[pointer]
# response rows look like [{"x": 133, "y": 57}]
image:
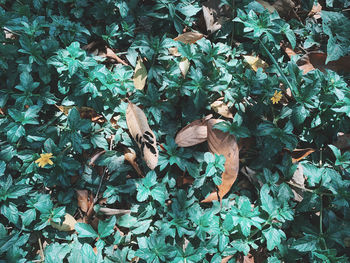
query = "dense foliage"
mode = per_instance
[{"x": 44, "y": 66}]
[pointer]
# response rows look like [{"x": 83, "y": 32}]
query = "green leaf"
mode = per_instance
[
  {"x": 306, "y": 243},
  {"x": 105, "y": 228},
  {"x": 85, "y": 230},
  {"x": 273, "y": 237}
]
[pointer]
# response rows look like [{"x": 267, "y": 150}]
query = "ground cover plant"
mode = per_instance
[{"x": 174, "y": 131}]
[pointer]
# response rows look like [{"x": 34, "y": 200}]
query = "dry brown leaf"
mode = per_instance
[
  {"x": 298, "y": 179},
  {"x": 267, "y": 5},
  {"x": 189, "y": 37},
  {"x": 299, "y": 154},
  {"x": 225, "y": 144},
  {"x": 214, "y": 14},
  {"x": 194, "y": 133},
  {"x": 226, "y": 259},
  {"x": 174, "y": 51},
  {"x": 255, "y": 62},
  {"x": 67, "y": 225},
  {"x": 85, "y": 113},
  {"x": 184, "y": 66},
  {"x": 130, "y": 156},
  {"x": 221, "y": 108},
  {"x": 83, "y": 200},
  {"x": 317, "y": 60},
  {"x": 99, "y": 48},
  {"x": 140, "y": 75},
  {"x": 284, "y": 7},
  {"x": 316, "y": 11},
  {"x": 142, "y": 134}
]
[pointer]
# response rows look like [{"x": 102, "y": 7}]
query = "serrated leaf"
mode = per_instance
[
  {"x": 142, "y": 134},
  {"x": 85, "y": 230}
]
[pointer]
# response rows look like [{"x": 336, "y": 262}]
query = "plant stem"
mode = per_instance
[
  {"x": 321, "y": 225},
  {"x": 292, "y": 88}
]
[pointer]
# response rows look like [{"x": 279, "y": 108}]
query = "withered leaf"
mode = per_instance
[
  {"x": 184, "y": 66},
  {"x": 142, "y": 134},
  {"x": 255, "y": 62},
  {"x": 140, "y": 75},
  {"x": 67, "y": 225},
  {"x": 193, "y": 134},
  {"x": 189, "y": 37},
  {"x": 225, "y": 144},
  {"x": 221, "y": 108},
  {"x": 83, "y": 199}
]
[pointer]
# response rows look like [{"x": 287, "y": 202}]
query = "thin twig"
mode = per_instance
[{"x": 41, "y": 250}]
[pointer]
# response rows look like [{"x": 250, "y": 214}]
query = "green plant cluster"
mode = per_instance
[{"x": 43, "y": 64}]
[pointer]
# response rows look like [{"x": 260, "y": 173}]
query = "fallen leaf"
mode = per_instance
[
  {"x": 225, "y": 144},
  {"x": 255, "y": 62},
  {"x": 1, "y": 111},
  {"x": 267, "y": 5},
  {"x": 174, "y": 51},
  {"x": 85, "y": 113},
  {"x": 284, "y": 7},
  {"x": 221, "y": 108},
  {"x": 83, "y": 200},
  {"x": 298, "y": 179},
  {"x": 130, "y": 156},
  {"x": 194, "y": 133},
  {"x": 142, "y": 134},
  {"x": 299, "y": 154},
  {"x": 317, "y": 60},
  {"x": 315, "y": 11},
  {"x": 189, "y": 37},
  {"x": 99, "y": 48},
  {"x": 140, "y": 75},
  {"x": 184, "y": 66},
  {"x": 214, "y": 14},
  {"x": 226, "y": 259},
  {"x": 67, "y": 225}
]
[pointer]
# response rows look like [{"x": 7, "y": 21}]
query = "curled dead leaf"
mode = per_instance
[
  {"x": 85, "y": 113},
  {"x": 140, "y": 75},
  {"x": 193, "y": 134},
  {"x": 142, "y": 134},
  {"x": 255, "y": 62},
  {"x": 83, "y": 200},
  {"x": 130, "y": 156},
  {"x": 225, "y": 144},
  {"x": 221, "y": 108},
  {"x": 67, "y": 225},
  {"x": 184, "y": 66}
]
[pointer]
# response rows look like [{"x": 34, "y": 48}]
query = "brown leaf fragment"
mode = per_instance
[
  {"x": 142, "y": 134},
  {"x": 184, "y": 66},
  {"x": 226, "y": 259},
  {"x": 255, "y": 62},
  {"x": 85, "y": 113},
  {"x": 130, "y": 156},
  {"x": 317, "y": 60},
  {"x": 316, "y": 11},
  {"x": 298, "y": 179},
  {"x": 99, "y": 48},
  {"x": 83, "y": 200},
  {"x": 193, "y": 134},
  {"x": 189, "y": 37},
  {"x": 267, "y": 5},
  {"x": 284, "y": 7},
  {"x": 67, "y": 224},
  {"x": 225, "y": 144},
  {"x": 221, "y": 108},
  {"x": 140, "y": 75},
  {"x": 214, "y": 14},
  {"x": 299, "y": 154}
]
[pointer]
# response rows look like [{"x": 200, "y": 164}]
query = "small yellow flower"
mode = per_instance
[
  {"x": 44, "y": 159},
  {"x": 276, "y": 97}
]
